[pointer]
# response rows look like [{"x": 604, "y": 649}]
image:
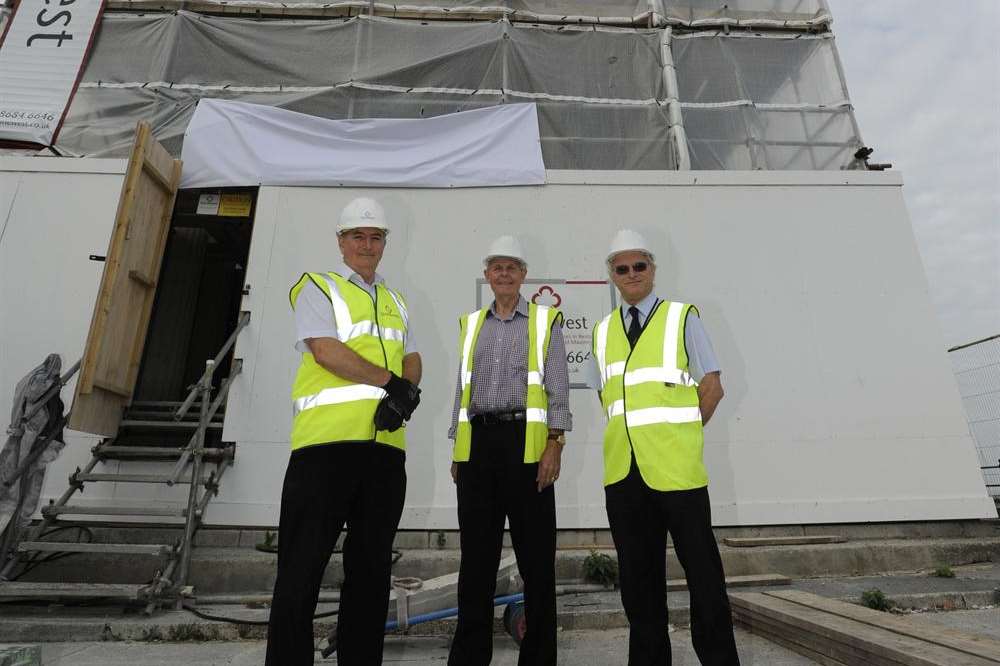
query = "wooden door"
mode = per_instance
[{"x": 125, "y": 300}]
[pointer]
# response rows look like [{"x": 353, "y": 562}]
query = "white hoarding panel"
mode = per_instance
[
  {"x": 41, "y": 57},
  {"x": 840, "y": 404},
  {"x": 50, "y": 223}
]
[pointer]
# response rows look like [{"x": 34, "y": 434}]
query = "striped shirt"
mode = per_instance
[{"x": 500, "y": 370}]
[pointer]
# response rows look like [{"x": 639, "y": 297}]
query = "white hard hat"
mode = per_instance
[
  {"x": 505, "y": 246},
  {"x": 362, "y": 212},
  {"x": 627, "y": 240}
]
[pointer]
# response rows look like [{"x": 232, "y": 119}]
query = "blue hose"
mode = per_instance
[{"x": 392, "y": 625}]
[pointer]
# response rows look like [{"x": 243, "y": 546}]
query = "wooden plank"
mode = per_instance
[
  {"x": 71, "y": 590},
  {"x": 158, "y": 154},
  {"x": 973, "y": 644},
  {"x": 832, "y": 649},
  {"x": 111, "y": 388},
  {"x": 877, "y": 641},
  {"x": 162, "y": 179},
  {"x": 142, "y": 279},
  {"x": 752, "y": 542},
  {"x": 111, "y": 262},
  {"x": 789, "y": 644},
  {"x": 125, "y": 298}
]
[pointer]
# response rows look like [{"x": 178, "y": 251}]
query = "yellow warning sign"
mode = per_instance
[{"x": 235, "y": 205}]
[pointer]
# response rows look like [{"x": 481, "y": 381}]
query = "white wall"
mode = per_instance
[
  {"x": 54, "y": 213},
  {"x": 840, "y": 402}
]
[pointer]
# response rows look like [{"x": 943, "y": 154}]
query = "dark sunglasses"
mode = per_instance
[{"x": 638, "y": 267}]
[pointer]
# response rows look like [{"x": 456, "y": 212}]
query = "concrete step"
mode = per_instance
[
  {"x": 217, "y": 570},
  {"x": 218, "y": 536}
]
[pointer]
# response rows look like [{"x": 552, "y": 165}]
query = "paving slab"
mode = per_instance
[{"x": 576, "y": 648}]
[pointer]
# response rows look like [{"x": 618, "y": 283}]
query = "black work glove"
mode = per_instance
[
  {"x": 387, "y": 417},
  {"x": 403, "y": 394}
]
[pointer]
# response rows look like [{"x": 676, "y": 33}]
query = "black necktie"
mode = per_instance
[{"x": 635, "y": 328}]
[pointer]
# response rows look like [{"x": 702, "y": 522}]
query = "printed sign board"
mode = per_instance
[
  {"x": 583, "y": 304},
  {"x": 42, "y": 54}
]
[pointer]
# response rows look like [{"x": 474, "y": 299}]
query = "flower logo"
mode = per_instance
[{"x": 546, "y": 295}]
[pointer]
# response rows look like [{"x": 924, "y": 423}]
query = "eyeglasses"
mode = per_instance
[{"x": 638, "y": 267}]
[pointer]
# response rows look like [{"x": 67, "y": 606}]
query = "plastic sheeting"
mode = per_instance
[
  {"x": 764, "y": 102},
  {"x": 648, "y": 13},
  {"x": 233, "y": 143},
  {"x": 602, "y": 101}
]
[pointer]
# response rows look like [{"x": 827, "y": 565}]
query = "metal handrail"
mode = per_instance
[
  {"x": 210, "y": 367},
  {"x": 196, "y": 447},
  {"x": 235, "y": 370}
]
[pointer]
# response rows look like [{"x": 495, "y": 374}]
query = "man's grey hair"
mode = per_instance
[{"x": 649, "y": 257}]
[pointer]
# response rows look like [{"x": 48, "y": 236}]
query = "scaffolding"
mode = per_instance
[
  {"x": 622, "y": 85},
  {"x": 977, "y": 371}
]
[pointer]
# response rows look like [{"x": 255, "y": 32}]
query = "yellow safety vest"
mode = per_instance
[
  {"x": 540, "y": 320},
  {"x": 328, "y": 408},
  {"x": 651, "y": 401}
]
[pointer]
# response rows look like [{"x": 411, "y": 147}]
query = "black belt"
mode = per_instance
[{"x": 497, "y": 418}]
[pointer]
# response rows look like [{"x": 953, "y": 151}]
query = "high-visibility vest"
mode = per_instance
[
  {"x": 651, "y": 401},
  {"x": 540, "y": 320},
  {"x": 328, "y": 408}
]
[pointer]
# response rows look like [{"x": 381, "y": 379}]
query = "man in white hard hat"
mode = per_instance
[
  {"x": 511, "y": 410},
  {"x": 355, "y": 388},
  {"x": 659, "y": 384}
]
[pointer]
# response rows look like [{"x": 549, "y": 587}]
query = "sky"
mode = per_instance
[{"x": 924, "y": 78}]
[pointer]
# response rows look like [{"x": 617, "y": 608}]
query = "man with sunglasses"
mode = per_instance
[
  {"x": 511, "y": 409},
  {"x": 659, "y": 383}
]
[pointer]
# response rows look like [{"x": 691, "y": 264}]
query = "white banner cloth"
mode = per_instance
[
  {"x": 41, "y": 57},
  {"x": 234, "y": 143}
]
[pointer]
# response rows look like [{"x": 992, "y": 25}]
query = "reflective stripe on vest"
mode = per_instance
[
  {"x": 651, "y": 401},
  {"x": 540, "y": 320},
  {"x": 328, "y": 408}
]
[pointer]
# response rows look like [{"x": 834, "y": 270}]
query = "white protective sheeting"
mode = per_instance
[{"x": 234, "y": 143}]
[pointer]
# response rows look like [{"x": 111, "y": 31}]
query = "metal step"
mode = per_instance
[
  {"x": 114, "y": 548},
  {"x": 72, "y": 591},
  {"x": 71, "y": 509},
  {"x": 135, "y": 478},
  {"x": 158, "y": 453},
  {"x": 167, "y": 417},
  {"x": 191, "y": 425}
]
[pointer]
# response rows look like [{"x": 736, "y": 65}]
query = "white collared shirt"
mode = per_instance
[{"x": 314, "y": 317}]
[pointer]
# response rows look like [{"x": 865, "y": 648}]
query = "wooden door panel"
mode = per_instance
[{"x": 128, "y": 286}]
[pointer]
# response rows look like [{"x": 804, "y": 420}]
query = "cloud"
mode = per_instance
[{"x": 925, "y": 81}]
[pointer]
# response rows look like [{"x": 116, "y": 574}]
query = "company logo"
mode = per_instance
[
  {"x": 366, "y": 214},
  {"x": 546, "y": 295}
]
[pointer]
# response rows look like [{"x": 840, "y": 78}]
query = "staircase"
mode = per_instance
[{"x": 172, "y": 440}]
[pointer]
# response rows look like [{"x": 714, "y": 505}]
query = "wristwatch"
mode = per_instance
[{"x": 559, "y": 439}]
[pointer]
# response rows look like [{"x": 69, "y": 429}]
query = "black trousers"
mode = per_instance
[
  {"x": 640, "y": 518},
  {"x": 495, "y": 484},
  {"x": 362, "y": 485}
]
